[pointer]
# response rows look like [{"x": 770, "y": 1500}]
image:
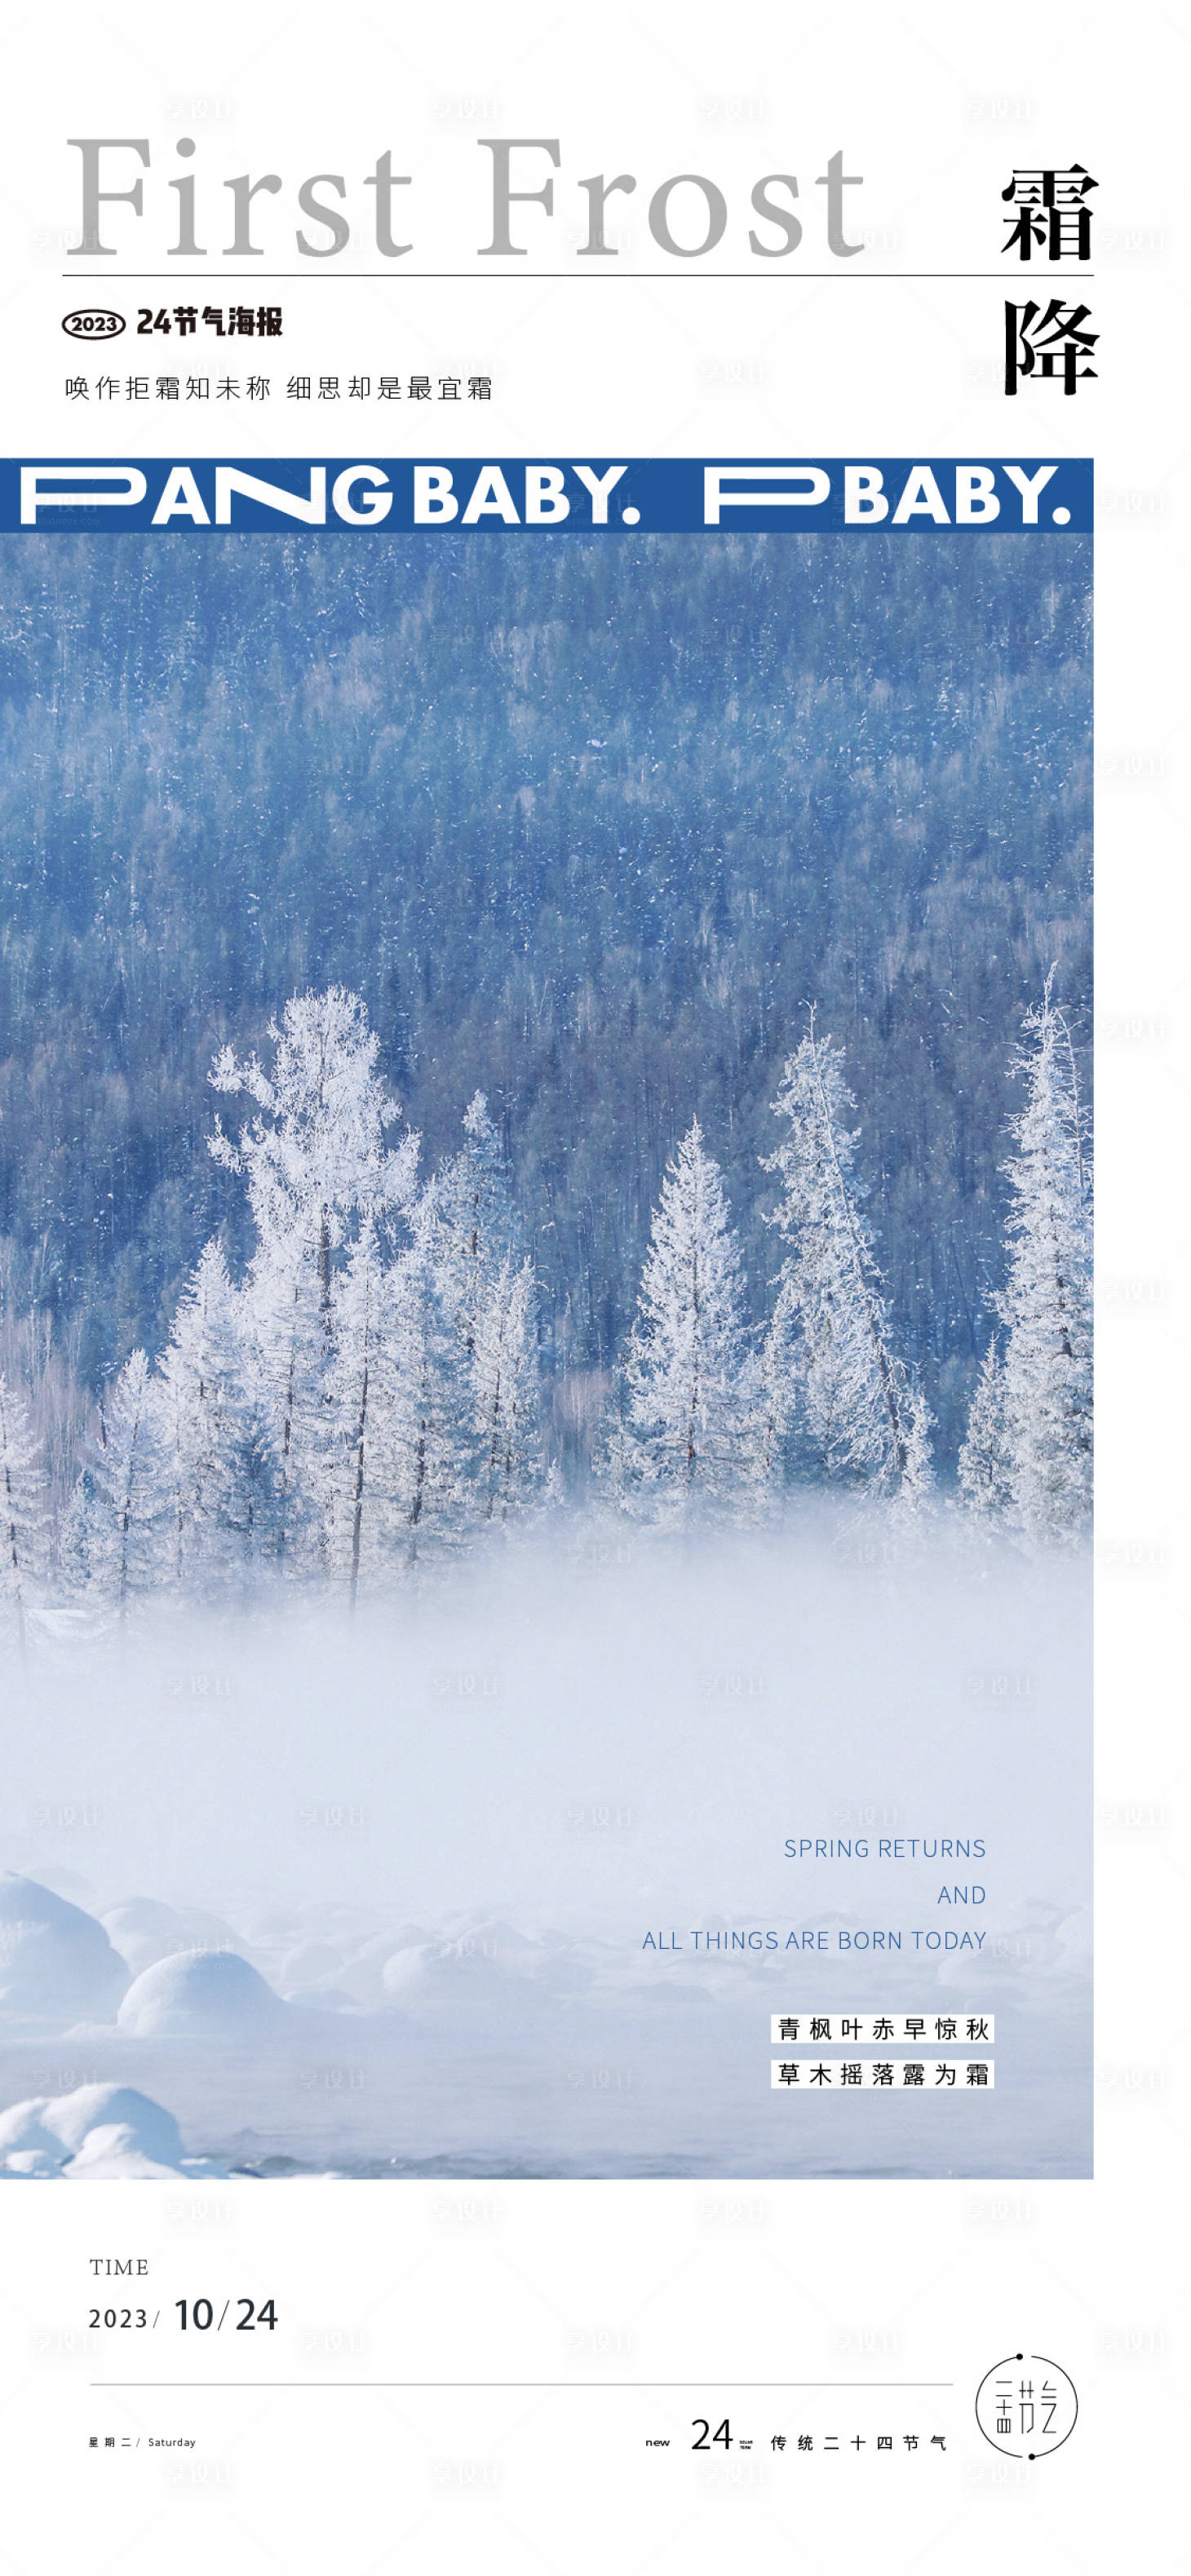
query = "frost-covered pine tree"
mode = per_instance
[
  {"x": 983, "y": 1459},
  {"x": 361, "y": 1465},
  {"x": 687, "y": 1431},
  {"x": 918, "y": 1475},
  {"x": 840, "y": 1399},
  {"x": 252, "y": 1518},
  {"x": 1046, "y": 1306},
  {"x": 128, "y": 1537},
  {"x": 431, "y": 1438},
  {"x": 197, "y": 1387},
  {"x": 505, "y": 1394},
  {"x": 317, "y": 1165},
  {"x": 288, "y": 1356},
  {"x": 23, "y": 1519},
  {"x": 315, "y": 1152},
  {"x": 476, "y": 1224},
  {"x": 485, "y": 1287}
]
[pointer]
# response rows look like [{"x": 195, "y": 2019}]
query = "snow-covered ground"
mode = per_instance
[{"x": 375, "y": 1897}]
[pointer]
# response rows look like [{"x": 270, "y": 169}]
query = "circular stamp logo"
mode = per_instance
[{"x": 1026, "y": 2406}]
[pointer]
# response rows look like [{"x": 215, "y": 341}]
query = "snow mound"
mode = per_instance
[
  {"x": 144, "y": 1931},
  {"x": 362, "y": 1974},
  {"x": 303, "y": 1968},
  {"x": 23, "y": 2132},
  {"x": 73, "y": 2117},
  {"x": 57, "y": 1964},
  {"x": 468, "y": 1969},
  {"x": 200, "y": 1994},
  {"x": 99, "y": 2131},
  {"x": 112, "y": 2154}
]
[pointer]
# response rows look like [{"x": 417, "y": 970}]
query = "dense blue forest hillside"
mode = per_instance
[{"x": 588, "y": 823}]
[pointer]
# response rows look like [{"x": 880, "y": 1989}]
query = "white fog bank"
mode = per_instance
[{"x": 422, "y": 1889}]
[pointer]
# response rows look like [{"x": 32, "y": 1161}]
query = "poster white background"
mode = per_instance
[{"x": 533, "y": 2337}]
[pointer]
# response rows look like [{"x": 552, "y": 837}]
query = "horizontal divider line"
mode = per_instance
[{"x": 560, "y": 276}]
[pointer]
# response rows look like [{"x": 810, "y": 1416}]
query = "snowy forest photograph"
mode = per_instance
[{"x": 545, "y": 1349}]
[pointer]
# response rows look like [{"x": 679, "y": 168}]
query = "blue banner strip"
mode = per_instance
[{"x": 391, "y": 496}]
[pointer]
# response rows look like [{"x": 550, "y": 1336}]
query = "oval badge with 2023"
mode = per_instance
[{"x": 93, "y": 322}]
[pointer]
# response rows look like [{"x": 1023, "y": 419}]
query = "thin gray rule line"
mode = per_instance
[{"x": 542, "y": 276}]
